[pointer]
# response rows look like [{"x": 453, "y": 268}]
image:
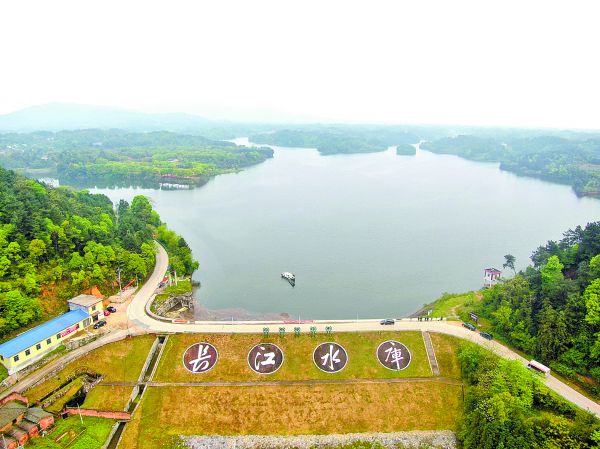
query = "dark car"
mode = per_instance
[
  {"x": 99, "y": 324},
  {"x": 486, "y": 335},
  {"x": 470, "y": 326},
  {"x": 111, "y": 309},
  {"x": 387, "y": 321}
]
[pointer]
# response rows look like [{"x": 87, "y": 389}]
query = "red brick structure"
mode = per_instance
[
  {"x": 40, "y": 417},
  {"x": 11, "y": 413},
  {"x": 120, "y": 416},
  {"x": 14, "y": 396},
  {"x": 18, "y": 423},
  {"x": 11, "y": 443},
  {"x": 18, "y": 434},
  {"x": 30, "y": 427}
]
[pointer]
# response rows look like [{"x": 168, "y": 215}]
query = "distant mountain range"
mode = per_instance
[{"x": 59, "y": 116}]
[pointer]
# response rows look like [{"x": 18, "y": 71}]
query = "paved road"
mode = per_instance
[
  {"x": 138, "y": 316},
  {"x": 140, "y": 322}
]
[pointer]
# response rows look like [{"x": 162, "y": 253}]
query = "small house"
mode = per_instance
[
  {"x": 491, "y": 277},
  {"x": 19, "y": 435},
  {"x": 31, "y": 428},
  {"x": 7, "y": 442},
  {"x": 40, "y": 417},
  {"x": 11, "y": 414},
  {"x": 89, "y": 303}
]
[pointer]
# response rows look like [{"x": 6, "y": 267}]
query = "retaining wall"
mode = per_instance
[{"x": 122, "y": 416}]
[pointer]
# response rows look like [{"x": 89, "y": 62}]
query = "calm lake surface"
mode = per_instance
[{"x": 367, "y": 235}]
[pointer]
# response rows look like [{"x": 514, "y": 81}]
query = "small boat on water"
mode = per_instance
[{"x": 290, "y": 277}]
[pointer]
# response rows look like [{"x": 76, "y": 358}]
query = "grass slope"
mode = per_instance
[
  {"x": 291, "y": 410},
  {"x": 446, "y": 352},
  {"x": 119, "y": 361},
  {"x": 109, "y": 398}
]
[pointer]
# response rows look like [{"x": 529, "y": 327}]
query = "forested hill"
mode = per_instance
[
  {"x": 106, "y": 158},
  {"x": 56, "y": 242},
  {"x": 569, "y": 158},
  {"x": 343, "y": 139},
  {"x": 552, "y": 309}
]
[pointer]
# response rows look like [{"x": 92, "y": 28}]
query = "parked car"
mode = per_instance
[
  {"x": 387, "y": 321},
  {"x": 470, "y": 326},
  {"x": 111, "y": 309},
  {"x": 99, "y": 324},
  {"x": 106, "y": 312},
  {"x": 486, "y": 335}
]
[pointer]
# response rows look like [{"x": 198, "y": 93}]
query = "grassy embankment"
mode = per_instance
[
  {"x": 319, "y": 408},
  {"x": 183, "y": 286},
  {"x": 454, "y": 305},
  {"x": 298, "y": 364},
  {"x": 121, "y": 361}
]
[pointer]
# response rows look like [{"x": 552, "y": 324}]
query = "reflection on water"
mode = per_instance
[{"x": 367, "y": 235}]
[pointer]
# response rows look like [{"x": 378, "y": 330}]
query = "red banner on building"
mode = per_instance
[{"x": 70, "y": 330}]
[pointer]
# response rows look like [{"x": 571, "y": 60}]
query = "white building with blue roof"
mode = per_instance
[{"x": 32, "y": 345}]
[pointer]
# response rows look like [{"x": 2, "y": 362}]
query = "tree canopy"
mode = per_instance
[
  {"x": 551, "y": 310},
  {"x": 57, "y": 242}
]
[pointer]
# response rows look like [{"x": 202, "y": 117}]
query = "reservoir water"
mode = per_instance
[{"x": 367, "y": 235}]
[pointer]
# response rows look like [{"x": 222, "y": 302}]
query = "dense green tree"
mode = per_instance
[
  {"x": 506, "y": 406},
  {"x": 591, "y": 297},
  {"x": 509, "y": 262},
  {"x": 552, "y": 310},
  {"x": 67, "y": 241}
]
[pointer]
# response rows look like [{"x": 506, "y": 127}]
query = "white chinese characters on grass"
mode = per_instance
[
  {"x": 330, "y": 357},
  {"x": 393, "y": 355},
  {"x": 200, "y": 357},
  {"x": 265, "y": 358}
]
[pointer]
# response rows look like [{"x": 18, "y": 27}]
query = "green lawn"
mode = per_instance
[
  {"x": 71, "y": 434},
  {"x": 291, "y": 410},
  {"x": 298, "y": 364},
  {"x": 71, "y": 390},
  {"x": 446, "y": 352},
  {"x": 453, "y": 305},
  {"x": 3, "y": 373},
  {"x": 119, "y": 361},
  {"x": 110, "y": 398},
  {"x": 184, "y": 286}
]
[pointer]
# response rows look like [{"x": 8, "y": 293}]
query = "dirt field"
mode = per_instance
[{"x": 291, "y": 410}]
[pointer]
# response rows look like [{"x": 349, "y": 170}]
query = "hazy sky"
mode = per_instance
[{"x": 529, "y": 63}]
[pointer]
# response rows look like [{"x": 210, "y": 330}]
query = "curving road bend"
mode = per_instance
[{"x": 137, "y": 314}]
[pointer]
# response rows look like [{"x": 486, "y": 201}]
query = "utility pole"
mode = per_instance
[{"x": 120, "y": 289}]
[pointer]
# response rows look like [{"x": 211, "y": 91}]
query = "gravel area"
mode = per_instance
[{"x": 443, "y": 439}]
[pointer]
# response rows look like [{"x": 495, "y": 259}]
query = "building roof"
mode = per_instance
[
  {"x": 494, "y": 270},
  {"x": 85, "y": 300},
  {"x": 36, "y": 414},
  {"x": 8, "y": 440},
  {"x": 41, "y": 332},
  {"x": 27, "y": 425},
  {"x": 10, "y": 411}
]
